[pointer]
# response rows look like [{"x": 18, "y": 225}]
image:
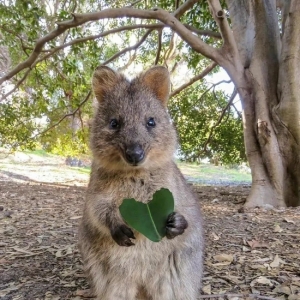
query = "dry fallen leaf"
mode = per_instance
[
  {"x": 256, "y": 244},
  {"x": 75, "y": 217},
  {"x": 215, "y": 236},
  {"x": 262, "y": 268},
  {"x": 293, "y": 297},
  {"x": 276, "y": 262},
  {"x": 246, "y": 249},
  {"x": 207, "y": 289},
  {"x": 220, "y": 264},
  {"x": 84, "y": 293},
  {"x": 277, "y": 228},
  {"x": 50, "y": 296},
  {"x": 262, "y": 260},
  {"x": 283, "y": 289},
  {"x": 223, "y": 257},
  {"x": 12, "y": 287},
  {"x": 261, "y": 280}
]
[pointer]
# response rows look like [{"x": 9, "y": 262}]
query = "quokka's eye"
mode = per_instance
[
  {"x": 151, "y": 123},
  {"x": 114, "y": 124}
]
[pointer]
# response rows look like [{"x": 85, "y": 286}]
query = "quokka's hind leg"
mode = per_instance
[
  {"x": 119, "y": 289},
  {"x": 110, "y": 286},
  {"x": 180, "y": 280},
  {"x": 175, "y": 289}
]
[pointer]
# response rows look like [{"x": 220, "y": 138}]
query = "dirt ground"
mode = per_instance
[{"x": 251, "y": 254}]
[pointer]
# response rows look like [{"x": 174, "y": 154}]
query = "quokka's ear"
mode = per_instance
[
  {"x": 157, "y": 79},
  {"x": 104, "y": 80}
]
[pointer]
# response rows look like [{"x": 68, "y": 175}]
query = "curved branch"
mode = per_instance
[
  {"x": 17, "y": 85},
  {"x": 142, "y": 40},
  {"x": 209, "y": 33},
  {"x": 158, "y": 14},
  {"x": 76, "y": 41},
  {"x": 93, "y": 37},
  {"x": 105, "y": 33},
  {"x": 129, "y": 62},
  {"x": 169, "y": 53},
  {"x": 213, "y": 87},
  {"x": 233, "y": 95},
  {"x": 194, "y": 79},
  {"x": 159, "y": 40},
  {"x": 23, "y": 46},
  {"x": 237, "y": 111},
  {"x": 134, "y": 3},
  {"x": 65, "y": 116}
]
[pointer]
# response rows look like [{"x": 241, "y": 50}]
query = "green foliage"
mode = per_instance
[
  {"x": 53, "y": 93},
  {"x": 195, "y": 113},
  {"x": 150, "y": 218}
]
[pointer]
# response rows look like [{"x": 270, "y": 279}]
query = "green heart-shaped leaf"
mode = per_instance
[{"x": 149, "y": 219}]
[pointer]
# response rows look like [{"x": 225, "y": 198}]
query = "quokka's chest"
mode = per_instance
[{"x": 139, "y": 188}]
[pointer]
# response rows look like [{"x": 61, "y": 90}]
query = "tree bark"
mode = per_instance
[
  {"x": 288, "y": 109},
  {"x": 270, "y": 98}
]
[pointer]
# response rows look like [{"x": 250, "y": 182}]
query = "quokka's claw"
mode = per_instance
[{"x": 122, "y": 235}]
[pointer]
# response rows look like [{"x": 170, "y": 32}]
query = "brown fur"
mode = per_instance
[{"x": 172, "y": 268}]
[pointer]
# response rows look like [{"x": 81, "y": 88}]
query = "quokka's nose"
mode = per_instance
[{"x": 134, "y": 154}]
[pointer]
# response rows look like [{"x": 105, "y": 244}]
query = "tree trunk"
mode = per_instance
[
  {"x": 288, "y": 109},
  {"x": 270, "y": 96}
]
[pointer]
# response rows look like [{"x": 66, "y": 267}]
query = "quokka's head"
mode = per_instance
[{"x": 132, "y": 128}]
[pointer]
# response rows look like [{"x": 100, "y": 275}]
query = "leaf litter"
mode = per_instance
[{"x": 250, "y": 254}]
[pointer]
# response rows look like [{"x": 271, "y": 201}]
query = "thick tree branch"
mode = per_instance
[
  {"x": 194, "y": 79},
  {"x": 226, "y": 33},
  {"x": 184, "y": 7},
  {"x": 158, "y": 14},
  {"x": 221, "y": 20}
]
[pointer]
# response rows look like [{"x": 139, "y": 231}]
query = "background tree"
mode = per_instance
[
  {"x": 259, "y": 49},
  {"x": 208, "y": 126}
]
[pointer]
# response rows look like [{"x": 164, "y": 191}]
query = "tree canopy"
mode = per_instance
[{"x": 49, "y": 103}]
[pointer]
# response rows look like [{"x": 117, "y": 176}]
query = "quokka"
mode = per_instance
[{"x": 133, "y": 143}]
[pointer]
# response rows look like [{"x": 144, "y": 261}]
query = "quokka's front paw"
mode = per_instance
[
  {"x": 176, "y": 224},
  {"x": 122, "y": 235}
]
